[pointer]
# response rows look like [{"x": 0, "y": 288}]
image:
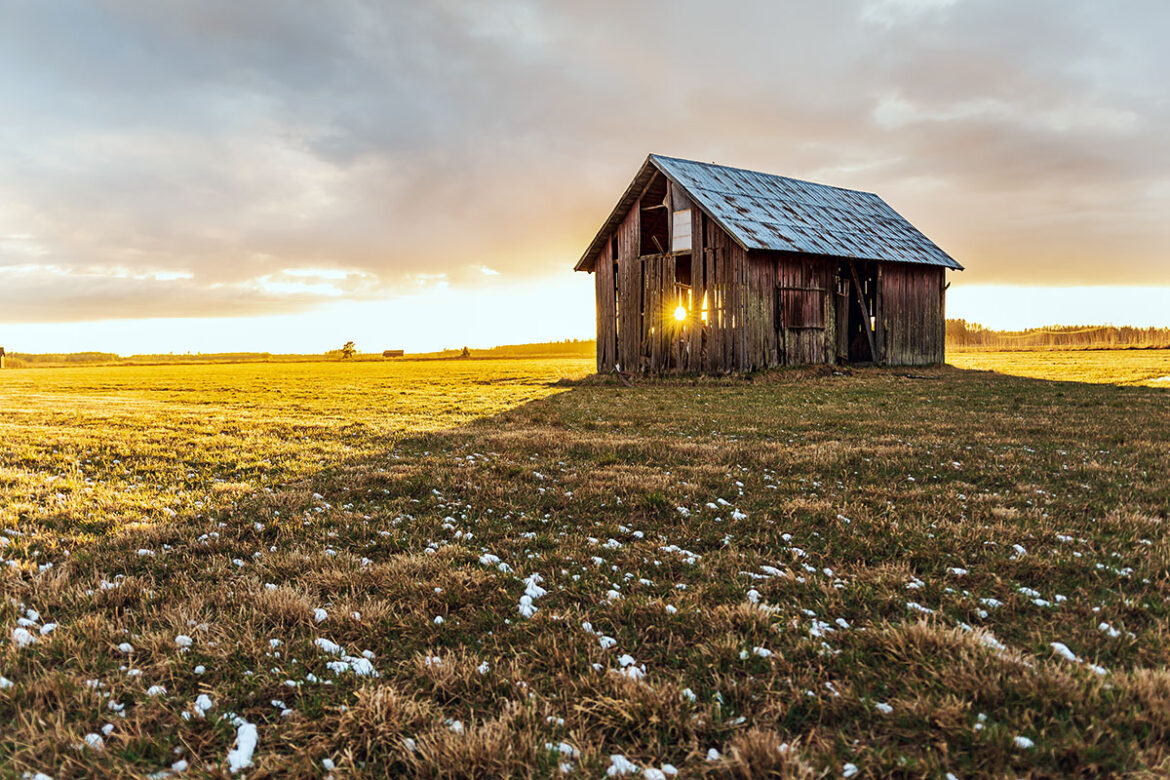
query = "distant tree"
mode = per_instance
[
  {"x": 348, "y": 350},
  {"x": 466, "y": 353}
]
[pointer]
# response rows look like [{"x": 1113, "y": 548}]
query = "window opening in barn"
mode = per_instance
[
  {"x": 654, "y": 218},
  {"x": 682, "y": 270}
]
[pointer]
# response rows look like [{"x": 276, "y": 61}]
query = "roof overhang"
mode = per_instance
[{"x": 589, "y": 260}]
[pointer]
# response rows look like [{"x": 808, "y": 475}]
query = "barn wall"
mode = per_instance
[
  {"x": 694, "y": 330},
  {"x": 749, "y": 311},
  {"x": 758, "y": 327},
  {"x": 727, "y": 304},
  {"x": 911, "y": 314},
  {"x": 629, "y": 291},
  {"x": 724, "y": 271},
  {"x": 804, "y": 309},
  {"x": 606, "y": 309}
]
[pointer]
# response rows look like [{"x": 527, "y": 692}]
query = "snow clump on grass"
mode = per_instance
[{"x": 247, "y": 736}]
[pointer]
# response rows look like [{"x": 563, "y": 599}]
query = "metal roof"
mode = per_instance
[{"x": 763, "y": 211}]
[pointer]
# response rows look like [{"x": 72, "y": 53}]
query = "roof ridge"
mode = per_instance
[{"x": 761, "y": 173}]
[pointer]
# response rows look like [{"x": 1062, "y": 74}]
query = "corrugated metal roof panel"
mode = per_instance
[{"x": 763, "y": 211}]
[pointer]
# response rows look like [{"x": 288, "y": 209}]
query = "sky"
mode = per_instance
[{"x": 203, "y": 175}]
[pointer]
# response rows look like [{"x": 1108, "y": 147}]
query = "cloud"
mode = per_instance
[{"x": 206, "y": 148}]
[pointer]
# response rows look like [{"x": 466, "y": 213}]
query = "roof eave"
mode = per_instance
[{"x": 632, "y": 193}]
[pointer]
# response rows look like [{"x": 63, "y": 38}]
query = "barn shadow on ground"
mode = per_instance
[{"x": 604, "y": 425}]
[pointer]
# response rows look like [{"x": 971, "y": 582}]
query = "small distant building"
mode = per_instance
[
  {"x": 390, "y": 353},
  {"x": 704, "y": 268}
]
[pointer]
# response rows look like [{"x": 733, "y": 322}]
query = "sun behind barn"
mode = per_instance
[{"x": 704, "y": 268}]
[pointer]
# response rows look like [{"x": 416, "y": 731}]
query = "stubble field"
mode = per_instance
[{"x": 504, "y": 568}]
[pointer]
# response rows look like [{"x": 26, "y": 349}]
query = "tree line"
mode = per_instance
[{"x": 961, "y": 333}]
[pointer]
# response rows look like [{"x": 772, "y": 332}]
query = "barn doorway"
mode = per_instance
[{"x": 857, "y": 291}]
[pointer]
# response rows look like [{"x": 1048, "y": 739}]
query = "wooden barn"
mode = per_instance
[{"x": 704, "y": 268}]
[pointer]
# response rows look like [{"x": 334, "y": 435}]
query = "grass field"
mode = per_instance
[
  {"x": 1149, "y": 367},
  {"x": 494, "y": 568}
]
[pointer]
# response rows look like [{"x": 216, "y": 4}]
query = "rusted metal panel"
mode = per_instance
[{"x": 764, "y": 211}]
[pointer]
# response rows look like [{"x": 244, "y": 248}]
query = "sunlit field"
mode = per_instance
[
  {"x": 506, "y": 568},
  {"x": 1113, "y": 366}
]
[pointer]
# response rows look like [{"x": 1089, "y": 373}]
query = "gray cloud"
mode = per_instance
[{"x": 177, "y": 158}]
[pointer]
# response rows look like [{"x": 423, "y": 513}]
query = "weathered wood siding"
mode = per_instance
[
  {"x": 728, "y": 304},
  {"x": 805, "y": 317},
  {"x": 911, "y": 314},
  {"x": 725, "y": 281},
  {"x": 606, "y": 309},
  {"x": 694, "y": 329},
  {"x": 748, "y": 311},
  {"x": 629, "y": 292}
]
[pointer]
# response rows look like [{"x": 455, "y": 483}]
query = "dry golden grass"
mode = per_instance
[
  {"x": 1150, "y": 367},
  {"x": 794, "y": 575}
]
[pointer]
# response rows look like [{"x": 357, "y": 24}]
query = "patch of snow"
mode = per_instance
[
  {"x": 246, "y": 738},
  {"x": 328, "y": 646},
  {"x": 203, "y": 704},
  {"x": 620, "y": 765}
]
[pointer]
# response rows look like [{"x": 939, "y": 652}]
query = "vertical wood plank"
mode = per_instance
[{"x": 698, "y": 288}]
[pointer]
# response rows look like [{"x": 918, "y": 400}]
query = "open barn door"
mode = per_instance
[{"x": 861, "y": 327}]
